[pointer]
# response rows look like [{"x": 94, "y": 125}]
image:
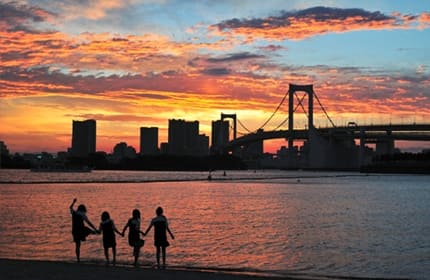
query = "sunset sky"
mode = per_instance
[{"x": 134, "y": 63}]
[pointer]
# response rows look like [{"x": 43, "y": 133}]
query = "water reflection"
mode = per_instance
[{"x": 350, "y": 226}]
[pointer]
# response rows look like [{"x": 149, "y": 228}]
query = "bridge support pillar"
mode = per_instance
[
  {"x": 310, "y": 91},
  {"x": 290, "y": 117},
  {"x": 385, "y": 146},
  {"x": 233, "y": 117}
]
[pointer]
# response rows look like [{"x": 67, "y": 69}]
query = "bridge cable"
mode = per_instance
[
  {"x": 295, "y": 109},
  {"x": 301, "y": 105},
  {"x": 243, "y": 126},
  {"x": 276, "y": 110},
  {"x": 325, "y": 112},
  {"x": 268, "y": 120},
  {"x": 238, "y": 132}
]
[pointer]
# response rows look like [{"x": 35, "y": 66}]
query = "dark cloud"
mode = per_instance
[
  {"x": 154, "y": 96},
  {"x": 301, "y": 24},
  {"x": 12, "y": 11},
  {"x": 216, "y": 71},
  {"x": 193, "y": 62},
  {"x": 272, "y": 48},
  {"x": 116, "y": 39},
  {"x": 15, "y": 55},
  {"x": 315, "y": 13},
  {"x": 235, "y": 57},
  {"x": 20, "y": 17},
  {"x": 170, "y": 73},
  {"x": 327, "y": 13},
  {"x": 47, "y": 80},
  {"x": 54, "y": 44}
]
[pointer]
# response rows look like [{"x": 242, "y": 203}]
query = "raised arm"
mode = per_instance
[{"x": 71, "y": 205}]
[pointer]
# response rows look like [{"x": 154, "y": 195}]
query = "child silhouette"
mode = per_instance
[
  {"x": 79, "y": 230},
  {"x": 161, "y": 226},
  {"x": 134, "y": 232},
  {"x": 107, "y": 227}
]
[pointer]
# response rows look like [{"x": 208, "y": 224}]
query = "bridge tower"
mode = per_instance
[
  {"x": 233, "y": 117},
  {"x": 309, "y": 89}
]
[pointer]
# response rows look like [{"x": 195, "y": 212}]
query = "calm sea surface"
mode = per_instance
[{"x": 275, "y": 222}]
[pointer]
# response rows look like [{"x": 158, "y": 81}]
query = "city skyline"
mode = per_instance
[{"x": 132, "y": 64}]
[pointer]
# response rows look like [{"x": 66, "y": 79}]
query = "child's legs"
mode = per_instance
[
  {"x": 136, "y": 252},
  {"x": 78, "y": 249},
  {"x": 158, "y": 254},
  {"x": 114, "y": 254},
  {"x": 164, "y": 254},
  {"x": 107, "y": 253}
]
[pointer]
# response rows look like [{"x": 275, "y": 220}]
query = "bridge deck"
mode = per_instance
[{"x": 409, "y": 132}]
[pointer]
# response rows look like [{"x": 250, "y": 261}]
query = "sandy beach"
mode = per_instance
[{"x": 46, "y": 270}]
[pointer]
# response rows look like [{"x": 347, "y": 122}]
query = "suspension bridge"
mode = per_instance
[{"x": 327, "y": 147}]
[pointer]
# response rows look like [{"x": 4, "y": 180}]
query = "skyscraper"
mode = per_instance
[
  {"x": 183, "y": 137},
  {"x": 220, "y": 135},
  {"x": 148, "y": 140},
  {"x": 203, "y": 145},
  {"x": 83, "y": 138}
]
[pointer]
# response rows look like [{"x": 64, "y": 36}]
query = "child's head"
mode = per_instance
[
  {"x": 105, "y": 216},
  {"x": 82, "y": 208},
  {"x": 136, "y": 214},
  {"x": 159, "y": 211}
]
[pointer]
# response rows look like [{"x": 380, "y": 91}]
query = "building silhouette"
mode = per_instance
[
  {"x": 149, "y": 140},
  {"x": 184, "y": 139},
  {"x": 164, "y": 148},
  {"x": 220, "y": 135},
  {"x": 203, "y": 145},
  {"x": 3, "y": 149},
  {"x": 83, "y": 138}
]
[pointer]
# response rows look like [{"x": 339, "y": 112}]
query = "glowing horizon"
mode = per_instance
[{"x": 138, "y": 63}]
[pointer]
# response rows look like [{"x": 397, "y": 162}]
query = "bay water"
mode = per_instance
[{"x": 265, "y": 221}]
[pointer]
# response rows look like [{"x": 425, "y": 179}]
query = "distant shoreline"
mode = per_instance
[{"x": 218, "y": 178}]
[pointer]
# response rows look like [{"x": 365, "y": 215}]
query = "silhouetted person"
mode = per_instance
[
  {"x": 161, "y": 226},
  {"x": 134, "y": 232},
  {"x": 107, "y": 227},
  {"x": 79, "y": 230}
]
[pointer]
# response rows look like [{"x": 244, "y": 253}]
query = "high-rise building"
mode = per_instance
[
  {"x": 83, "y": 138},
  {"x": 3, "y": 149},
  {"x": 220, "y": 135},
  {"x": 148, "y": 140},
  {"x": 183, "y": 137},
  {"x": 203, "y": 146},
  {"x": 4, "y": 152}
]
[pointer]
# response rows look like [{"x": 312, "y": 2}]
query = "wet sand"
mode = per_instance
[{"x": 47, "y": 270}]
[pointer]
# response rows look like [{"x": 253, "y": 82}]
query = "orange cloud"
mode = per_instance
[
  {"x": 91, "y": 9},
  {"x": 303, "y": 24},
  {"x": 424, "y": 20}
]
